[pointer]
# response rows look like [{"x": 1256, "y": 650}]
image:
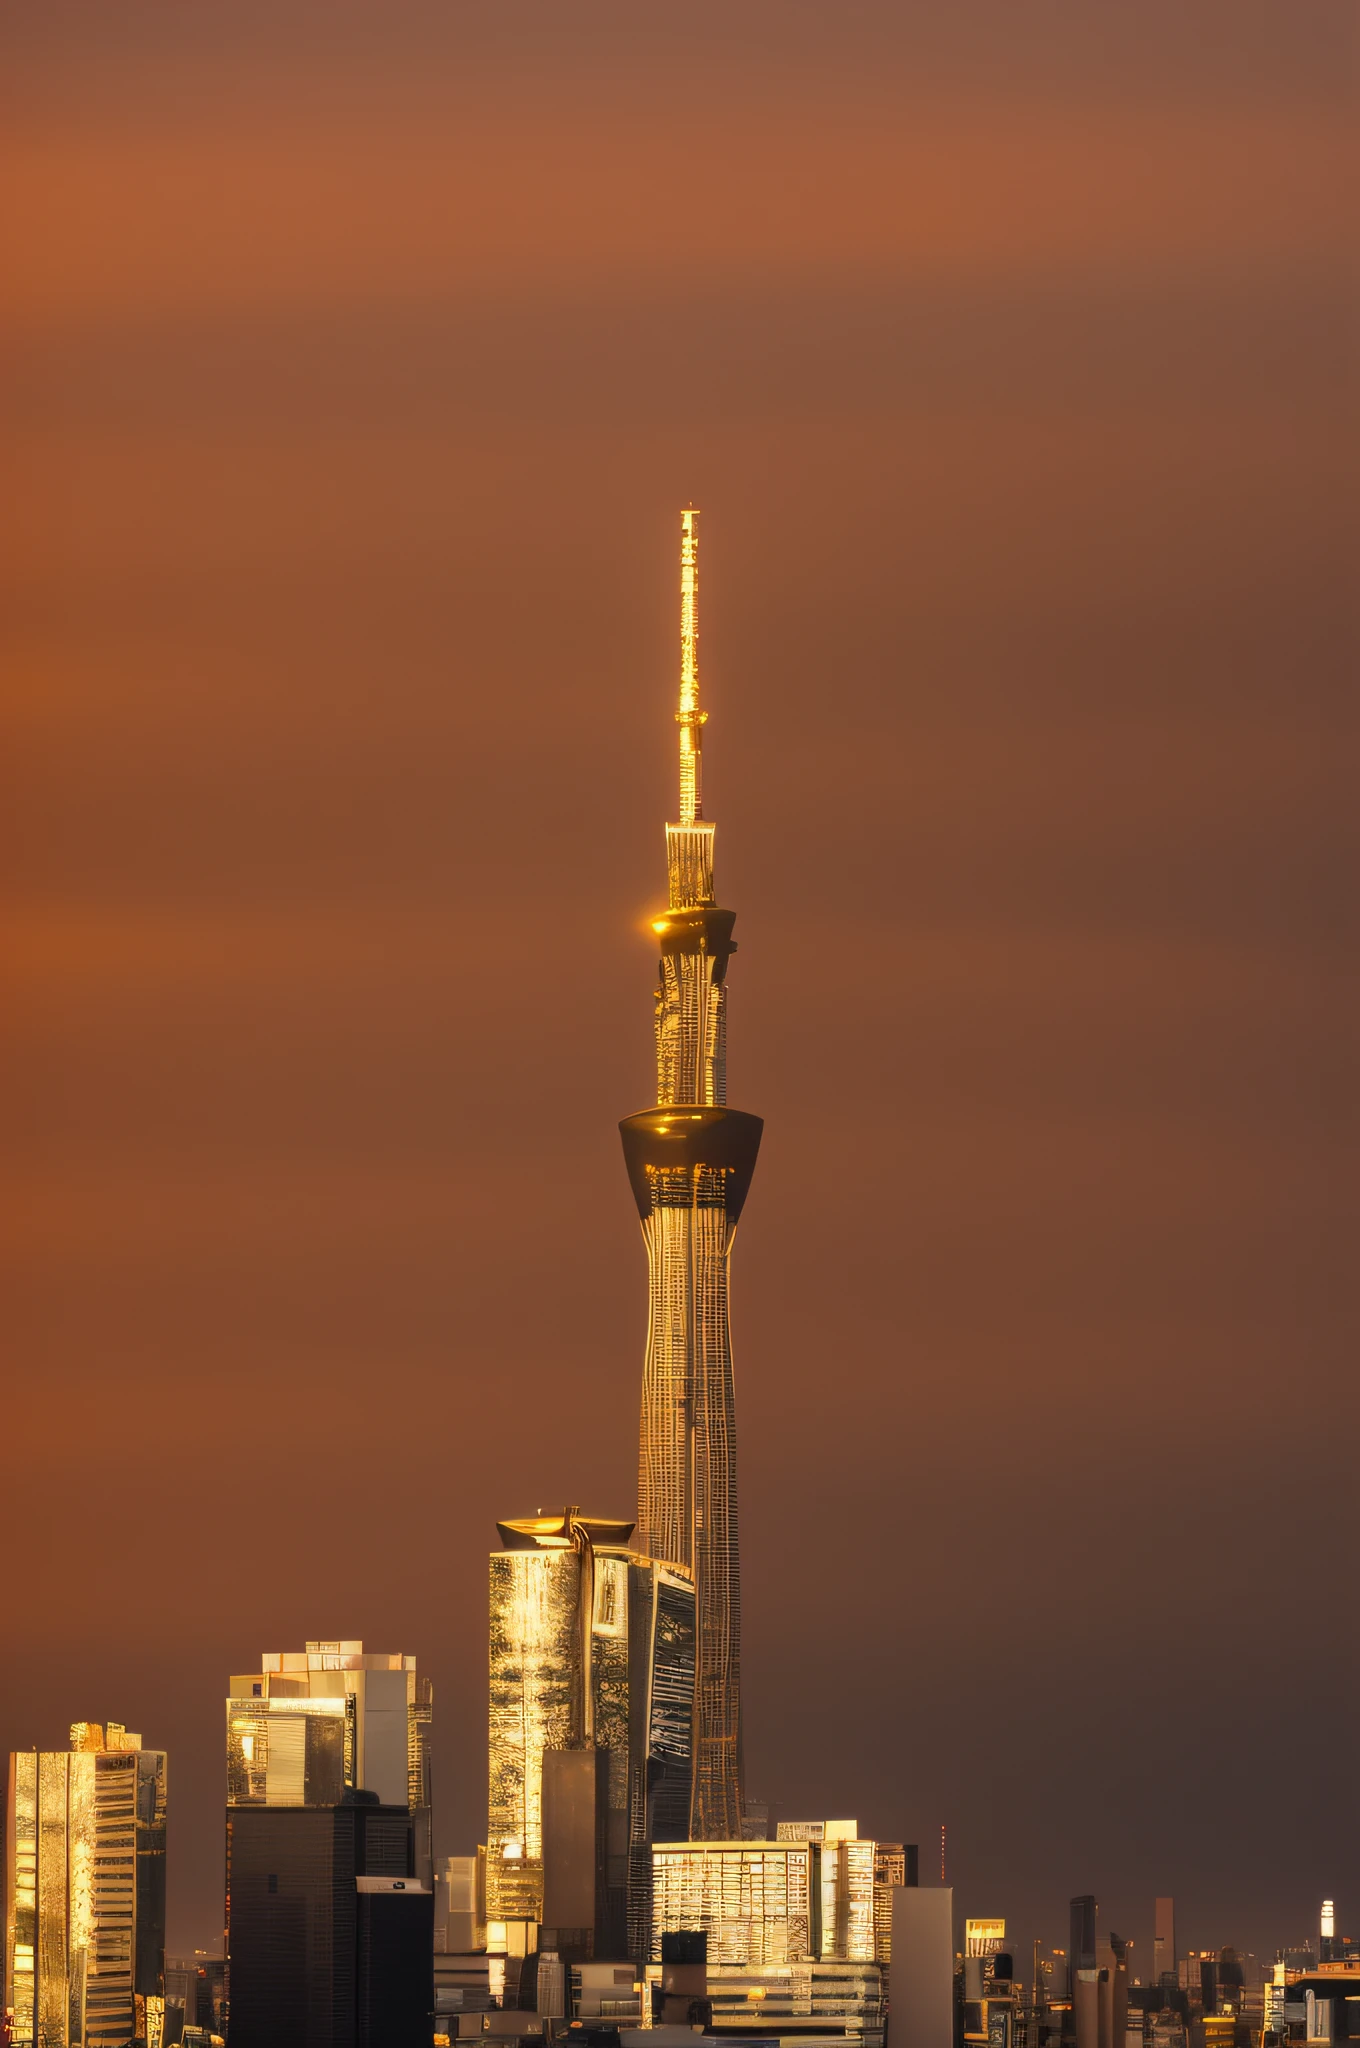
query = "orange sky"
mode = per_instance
[{"x": 358, "y": 362}]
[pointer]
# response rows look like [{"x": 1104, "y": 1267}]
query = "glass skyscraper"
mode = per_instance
[
  {"x": 85, "y": 1932},
  {"x": 592, "y": 1654}
]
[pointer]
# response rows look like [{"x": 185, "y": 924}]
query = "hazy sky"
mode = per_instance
[{"x": 358, "y": 360}]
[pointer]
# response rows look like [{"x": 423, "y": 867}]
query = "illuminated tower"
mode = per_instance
[
  {"x": 690, "y": 1161},
  {"x": 85, "y": 1884},
  {"x": 592, "y": 1694}
]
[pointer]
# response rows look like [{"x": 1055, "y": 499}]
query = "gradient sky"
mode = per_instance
[{"x": 358, "y": 360}]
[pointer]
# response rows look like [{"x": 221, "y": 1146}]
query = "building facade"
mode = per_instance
[
  {"x": 855, "y": 1883},
  {"x": 820, "y": 1892},
  {"x": 328, "y": 1786},
  {"x": 690, "y": 1162},
  {"x": 314, "y": 1959},
  {"x": 311, "y": 1724},
  {"x": 758, "y": 1903},
  {"x": 799, "y": 2002},
  {"x": 85, "y": 1890},
  {"x": 591, "y": 1698}
]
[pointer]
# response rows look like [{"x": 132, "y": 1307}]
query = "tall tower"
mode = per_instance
[{"x": 690, "y": 1162}]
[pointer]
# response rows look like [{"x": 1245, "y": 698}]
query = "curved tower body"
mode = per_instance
[{"x": 690, "y": 1161}]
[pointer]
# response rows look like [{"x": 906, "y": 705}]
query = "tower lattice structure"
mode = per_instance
[{"x": 690, "y": 1161}]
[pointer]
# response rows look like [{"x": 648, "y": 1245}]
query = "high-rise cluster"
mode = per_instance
[{"x": 625, "y": 1880}]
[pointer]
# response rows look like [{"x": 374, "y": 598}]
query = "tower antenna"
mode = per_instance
[{"x": 689, "y": 717}]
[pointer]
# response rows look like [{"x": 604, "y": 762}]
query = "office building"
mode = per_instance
[
  {"x": 312, "y": 1723},
  {"x": 1083, "y": 2019},
  {"x": 855, "y": 1883},
  {"x": 328, "y": 1851},
  {"x": 923, "y": 1967},
  {"x": 983, "y": 1939},
  {"x": 848, "y": 1899},
  {"x": 690, "y": 1161},
  {"x": 85, "y": 1892},
  {"x": 846, "y": 1868},
  {"x": 1113, "y": 1980},
  {"x": 828, "y": 1904},
  {"x": 330, "y": 1935},
  {"x": 797, "y": 2002},
  {"x": 460, "y": 1905},
  {"x": 992, "y": 2010},
  {"x": 757, "y": 1902},
  {"x": 1164, "y": 1944},
  {"x": 591, "y": 1701},
  {"x": 895, "y": 1863},
  {"x": 394, "y": 1974},
  {"x": 1334, "y": 1947},
  {"x": 468, "y": 1982},
  {"x": 608, "y": 1991},
  {"x": 195, "y": 1996}
]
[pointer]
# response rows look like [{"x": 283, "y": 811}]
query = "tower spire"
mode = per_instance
[
  {"x": 689, "y": 717},
  {"x": 690, "y": 1160}
]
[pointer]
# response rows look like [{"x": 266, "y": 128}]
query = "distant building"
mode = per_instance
[
  {"x": 1164, "y": 1944},
  {"x": 85, "y": 1887},
  {"x": 195, "y": 1996},
  {"x": 591, "y": 1710},
  {"x": 1083, "y": 1975},
  {"x": 757, "y": 1821},
  {"x": 1334, "y": 1947},
  {"x": 895, "y": 1864},
  {"x": 460, "y": 1905},
  {"x": 923, "y": 1967},
  {"x": 800, "y": 2002}
]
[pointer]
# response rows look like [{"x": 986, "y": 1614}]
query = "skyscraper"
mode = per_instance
[
  {"x": 85, "y": 1935},
  {"x": 592, "y": 1693},
  {"x": 690, "y": 1161},
  {"x": 310, "y": 1723},
  {"x": 1164, "y": 1943},
  {"x": 329, "y": 1895},
  {"x": 330, "y": 1935}
]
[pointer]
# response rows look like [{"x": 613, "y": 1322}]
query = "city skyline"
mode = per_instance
[{"x": 356, "y": 380}]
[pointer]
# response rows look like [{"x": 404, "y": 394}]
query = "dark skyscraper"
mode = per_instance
[
  {"x": 690, "y": 1161},
  {"x": 313, "y": 1943}
]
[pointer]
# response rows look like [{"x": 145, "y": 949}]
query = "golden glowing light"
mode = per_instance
[
  {"x": 689, "y": 717},
  {"x": 87, "y": 1834},
  {"x": 687, "y": 1478}
]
